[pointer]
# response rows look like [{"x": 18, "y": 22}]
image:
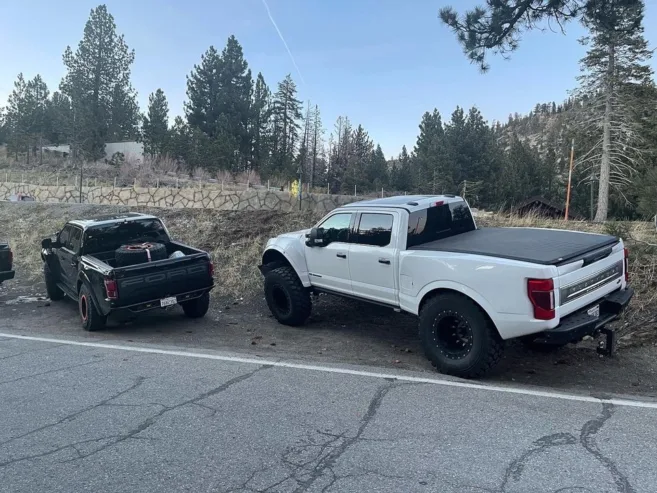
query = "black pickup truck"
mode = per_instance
[
  {"x": 6, "y": 262},
  {"x": 125, "y": 262}
]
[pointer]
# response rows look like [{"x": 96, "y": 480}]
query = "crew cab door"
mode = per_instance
[
  {"x": 67, "y": 256},
  {"x": 328, "y": 265},
  {"x": 373, "y": 257}
]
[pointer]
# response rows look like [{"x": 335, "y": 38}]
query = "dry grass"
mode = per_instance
[{"x": 236, "y": 240}]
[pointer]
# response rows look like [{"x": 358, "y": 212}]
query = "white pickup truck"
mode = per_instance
[{"x": 472, "y": 288}]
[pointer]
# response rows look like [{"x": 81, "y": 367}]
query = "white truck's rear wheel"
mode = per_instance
[
  {"x": 286, "y": 297},
  {"x": 457, "y": 337}
]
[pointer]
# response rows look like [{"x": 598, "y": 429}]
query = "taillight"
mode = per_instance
[
  {"x": 112, "y": 289},
  {"x": 211, "y": 268},
  {"x": 541, "y": 294},
  {"x": 627, "y": 265},
  {"x": 11, "y": 258}
]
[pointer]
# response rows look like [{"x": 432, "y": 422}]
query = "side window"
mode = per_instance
[
  {"x": 65, "y": 235},
  {"x": 374, "y": 229},
  {"x": 336, "y": 228},
  {"x": 74, "y": 240}
]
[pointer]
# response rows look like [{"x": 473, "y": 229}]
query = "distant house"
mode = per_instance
[
  {"x": 131, "y": 150},
  {"x": 540, "y": 206}
]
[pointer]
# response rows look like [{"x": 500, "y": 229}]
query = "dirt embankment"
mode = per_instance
[{"x": 236, "y": 240}]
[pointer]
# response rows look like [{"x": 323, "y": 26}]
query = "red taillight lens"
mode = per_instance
[
  {"x": 112, "y": 289},
  {"x": 541, "y": 294},
  {"x": 11, "y": 259},
  {"x": 211, "y": 269},
  {"x": 627, "y": 265}
]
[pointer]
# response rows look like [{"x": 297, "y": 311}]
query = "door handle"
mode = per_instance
[
  {"x": 384, "y": 261},
  {"x": 341, "y": 255}
]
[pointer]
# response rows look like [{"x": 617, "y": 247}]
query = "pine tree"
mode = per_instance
[
  {"x": 97, "y": 74},
  {"x": 260, "y": 126},
  {"x": 203, "y": 88},
  {"x": 377, "y": 172},
  {"x": 401, "y": 177},
  {"x": 219, "y": 93},
  {"x": 36, "y": 113},
  {"x": 316, "y": 147},
  {"x": 499, "y": 25},
  {"x": 60, "y": 119},
  {"x": 432, "y": 173},
  {"x": 286, "y": 111},
  {"x": 156, "y": 124},
  {"x": 615, "y": 62},
  {"x": 15, "y": 117},
  {"x": 339, "y": 153},
  {"x": 234, "y": 104},
  {"x": 358, "y": 161}
]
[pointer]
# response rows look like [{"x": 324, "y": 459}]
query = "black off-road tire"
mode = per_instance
[
  {"x": 91, "y": 319},
  {"x": 197, "y": 307},
  {"x": 286, "y": 297},
  {"x": 457, "y": 336},
  {"x": 127, "y": 255},
  {"x": 52, "y": 290}
]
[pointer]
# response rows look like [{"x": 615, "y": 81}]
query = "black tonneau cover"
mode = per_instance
[{"x": 538, "y": 246}]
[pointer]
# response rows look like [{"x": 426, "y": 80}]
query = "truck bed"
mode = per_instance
[{"x": 537, "y": 246}]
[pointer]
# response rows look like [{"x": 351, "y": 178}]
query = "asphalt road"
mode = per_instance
[{"x": 142, "y": 418}]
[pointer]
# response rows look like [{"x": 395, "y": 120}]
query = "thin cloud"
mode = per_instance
[{"x": 280, "y": 35}]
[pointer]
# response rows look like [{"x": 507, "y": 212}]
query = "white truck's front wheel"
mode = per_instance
[
  {"x": 457, "y": 337},
  {"x": 286, "y": 297}
]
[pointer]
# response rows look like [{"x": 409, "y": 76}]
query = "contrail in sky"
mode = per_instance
[{"x": 280, "y": 35}]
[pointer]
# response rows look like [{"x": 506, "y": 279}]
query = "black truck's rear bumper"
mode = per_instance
[
  {"x": 5, "y": 275},
  {"x": 153, "y": 304},
  {"x": 576, "y": 326}
]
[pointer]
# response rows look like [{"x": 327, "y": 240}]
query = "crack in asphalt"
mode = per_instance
[
  {"x": 132, "y": 433},
  {"x": 150, "y": 421},
  {"x": 586, "y": 439},
  {"x": 306, "y": 473},
  {"x": 34, "y": 375},
  {"x": 71, "y": 417},
  {"x": 15, "y": 355}
]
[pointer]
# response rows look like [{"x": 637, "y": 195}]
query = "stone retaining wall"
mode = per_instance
[{"x": 207, "y": 198}]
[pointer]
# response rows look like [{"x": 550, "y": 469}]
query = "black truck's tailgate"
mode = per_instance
[
  {"x": 538, "y": 246},
  {"x": 162, "y": 279},
  {"x": 5, "y": 257}
]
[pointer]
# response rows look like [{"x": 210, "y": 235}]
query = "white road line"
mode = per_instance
[{"x": 347, "y": 371}]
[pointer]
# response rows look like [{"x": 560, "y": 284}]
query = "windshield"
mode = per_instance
[
  {"x": 436, "y": 223},
  {"x": 109, "y": 237}
]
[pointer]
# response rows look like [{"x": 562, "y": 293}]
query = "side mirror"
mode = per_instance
[
  {"x": 316, "y": 238},
  {"x": 46, "y": 243}
]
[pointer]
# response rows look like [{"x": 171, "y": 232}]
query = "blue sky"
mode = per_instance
[{"x": 382, "y": 63}]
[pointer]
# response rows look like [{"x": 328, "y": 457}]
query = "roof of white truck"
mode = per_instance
[{"x": 408, "y": 202}]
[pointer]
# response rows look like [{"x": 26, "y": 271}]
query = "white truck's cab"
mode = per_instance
[{"x": 472, "y": 288}]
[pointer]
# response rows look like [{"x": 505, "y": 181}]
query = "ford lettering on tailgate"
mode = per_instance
[
  {"x": 159, "y": 277},
  {"x": 582, "y": 288}
]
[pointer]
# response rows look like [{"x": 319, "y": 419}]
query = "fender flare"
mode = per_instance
[
  {"x": 458, "y": 288},
  {"x": 84, "y": 279},
  {"x": 299, "y": 269}
]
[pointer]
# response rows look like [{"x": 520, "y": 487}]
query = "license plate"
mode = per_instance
[
  {"x": 594, "y": 312},
  {"x": 168, "y": 301}
]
